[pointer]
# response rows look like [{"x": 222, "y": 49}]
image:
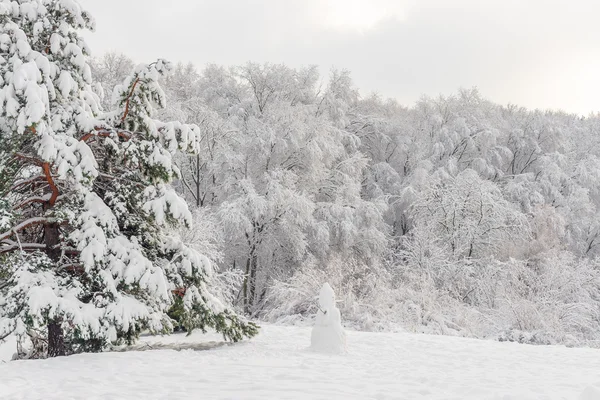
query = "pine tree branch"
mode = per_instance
[
  {"x": 30, "y": 159},
  {"x": 102, "y": 132},
  {"x": 118, "y": 178},
  {"x": 24, "y": 247},
  {"x": 26, "y": 182},
  {"x": 25, "y": 224},
  {"x": 72, "y": 267},
  {"x": 35, "y": 199}
]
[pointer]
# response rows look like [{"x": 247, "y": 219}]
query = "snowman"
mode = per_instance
[{"x": 328, "y": 336}]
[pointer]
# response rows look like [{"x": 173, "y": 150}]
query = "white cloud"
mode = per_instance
[
  {"x": 536, "y": 53},
  {"x": 359, "y": 15}
]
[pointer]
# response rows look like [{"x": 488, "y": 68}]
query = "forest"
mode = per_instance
[{"x": 452, "y": 216}]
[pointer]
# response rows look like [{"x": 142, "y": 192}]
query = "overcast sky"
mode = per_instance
[{"x": 536, "y": 53}]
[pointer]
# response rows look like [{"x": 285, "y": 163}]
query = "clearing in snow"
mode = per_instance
[{"x": 278, "y": 365}]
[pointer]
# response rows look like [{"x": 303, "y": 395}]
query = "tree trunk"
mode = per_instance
[
  {"x": 214, "y": 183},
  {"x": 249, "y": 285},
  {"x": 245, "y": 286},
  {"x": 198, "y": 202},
  {"x": 253, "y": 268},
  {"x": 56, "y": 340},
  {"x": 52, "y": 241}
]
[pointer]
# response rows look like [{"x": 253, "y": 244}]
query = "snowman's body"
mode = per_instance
[{"x": 328, "y": 335}]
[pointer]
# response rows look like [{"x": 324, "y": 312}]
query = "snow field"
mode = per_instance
[{"x": 278, "y": 365}]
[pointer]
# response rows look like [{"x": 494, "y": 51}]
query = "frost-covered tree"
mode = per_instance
[
  {"x": 87, "y": 211},
  {"x": 469, "y": 216},
  {"x": 281, "y": 174},
  {"x": 109, "y": 70}
]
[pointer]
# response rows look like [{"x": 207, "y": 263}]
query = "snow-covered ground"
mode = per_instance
[{"x": 277, "y": 365}]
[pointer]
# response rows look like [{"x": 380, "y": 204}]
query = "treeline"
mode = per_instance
[{"x": 454, "y": 216}]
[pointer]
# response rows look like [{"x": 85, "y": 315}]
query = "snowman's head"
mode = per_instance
[{"x": 326, "y": 297}]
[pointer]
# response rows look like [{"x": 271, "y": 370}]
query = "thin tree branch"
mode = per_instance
[
  {"x": 128, "y": 99},
  {"x": 26, "y": 224}
]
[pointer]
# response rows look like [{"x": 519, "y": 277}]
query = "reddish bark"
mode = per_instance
[
  {"x": 50, "y": 180},
  {"x": 128, "y": 99}
]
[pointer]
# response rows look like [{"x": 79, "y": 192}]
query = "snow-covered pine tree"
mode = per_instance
[{"x": 86, "y": 212}]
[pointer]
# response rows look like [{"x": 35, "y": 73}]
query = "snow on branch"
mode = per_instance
[{"x": 25, "y": 224}]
